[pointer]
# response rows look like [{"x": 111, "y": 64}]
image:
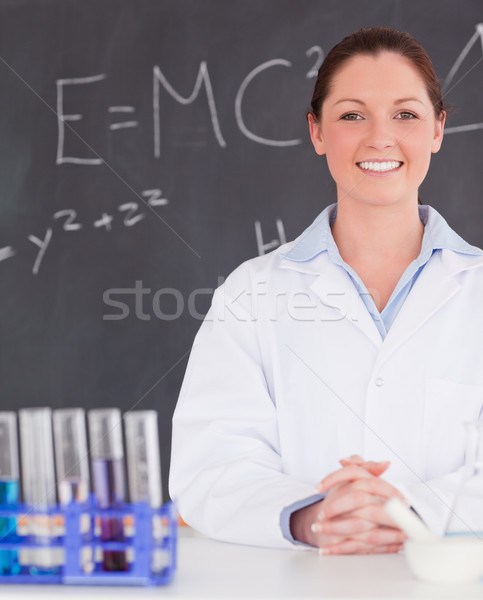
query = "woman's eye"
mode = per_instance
[
  {"x": 406, "y": 116},
  {"x": 350, "y": 117}
]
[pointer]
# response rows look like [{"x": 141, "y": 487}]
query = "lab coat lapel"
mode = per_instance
[
  {"x": 336, "y": 291},
  {"x": 433, "y": 288}
]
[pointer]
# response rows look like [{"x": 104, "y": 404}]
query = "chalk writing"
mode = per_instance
[
  {"x": 203, "y": 81},
  {"x": 69, "y": 224},
  {"x": 155, "y": 197},
  {"x": 160, "y": 81},
  {"x": 122, "y": 124},
  {"x": 105, "y": 221},
  {"x": 317, "y": 50},
  {"x": 238, "y": 105},
  {"x": 123, "y": 117},
  {"x": 478, "y": 35},
  {"x": 263, "y": 248},
  {"x": 43, "y": 245},
  {"x": 129, "y": 211},
  {"x": 6, "y": 252},
  {"x": 202, "y": 78},
  {"x": 62, "y": 118}
]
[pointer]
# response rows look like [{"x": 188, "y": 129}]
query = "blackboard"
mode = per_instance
[{"x": 147, "y": 147}]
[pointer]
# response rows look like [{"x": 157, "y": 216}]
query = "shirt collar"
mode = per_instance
[{"x": 317, "y": 238}]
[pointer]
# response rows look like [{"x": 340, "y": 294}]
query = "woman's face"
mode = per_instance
[{"x": 377, "y": 129}]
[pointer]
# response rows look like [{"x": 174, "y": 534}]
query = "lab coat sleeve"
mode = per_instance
[{"x": 226, "y": 470}]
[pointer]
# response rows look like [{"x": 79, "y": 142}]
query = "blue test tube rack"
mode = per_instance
[{"x": 142, "y": 543}]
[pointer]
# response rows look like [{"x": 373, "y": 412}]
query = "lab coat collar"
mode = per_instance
[
  {"x": 317, "y": 238},
  {"x": 434, "y": 287}
]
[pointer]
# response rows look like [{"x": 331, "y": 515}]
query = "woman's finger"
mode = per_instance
[
  {"x": 376, "y": 541},
  {"x": 375, "y": 468},
  {"x": 355, "y": 459},
  {"x": 354, "y": 547},
  {"x": 345, "y": 526},
  {"x": 340, "y": 503},
  {"x": 377, "y": 486},
  {"x": 344, "y": 475},
  {"x": 372, "y": 513},
  {"x": 346, "y": 547},
  {"x": 381, "y": 536},
  {"x": 325, "y": 539},
  {"x": 356, "y": 495},
  {"x": 360, "y": 480},
  {"x": 387, "y": 549}
]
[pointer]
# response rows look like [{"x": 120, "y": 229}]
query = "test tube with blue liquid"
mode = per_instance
[
  {"x": 38, "y": 483},
  {"x": 9, "y": 489},
  {"x": 144, "y": 471},
  {"x": 71, "y": 458},
  {"x": 107, "y": 455}
]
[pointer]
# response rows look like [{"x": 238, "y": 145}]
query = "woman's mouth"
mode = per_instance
[{"x": 379, "y": 168}]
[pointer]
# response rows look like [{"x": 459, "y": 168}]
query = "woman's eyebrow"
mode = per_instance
[
  {"x": 349, "y": 100},
  {"x": 357, "y": 101},
  {"x": 402, "y": 100}
]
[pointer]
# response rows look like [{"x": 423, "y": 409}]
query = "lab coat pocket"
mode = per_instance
[{"x": 447, "y": 407}]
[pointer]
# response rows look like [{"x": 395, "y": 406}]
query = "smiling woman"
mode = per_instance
[
  {"x": 378, "y": 129},
  {"x": 331, "y": 345},
  {"x": 377, "y": 121}
]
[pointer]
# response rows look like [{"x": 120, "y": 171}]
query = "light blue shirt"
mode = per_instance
[
  {"x": 438, "y": 235},
  {"x": 318, "y": 238}
]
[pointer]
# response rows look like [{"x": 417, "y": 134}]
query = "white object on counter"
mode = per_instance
[
  {"x": 455, "y": 559},
  {"x": 436, "y": 559},
  {"x": 408, "y": 521}
]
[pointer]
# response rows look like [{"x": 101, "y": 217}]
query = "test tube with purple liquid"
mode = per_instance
[{"x": 107, "y": 455}]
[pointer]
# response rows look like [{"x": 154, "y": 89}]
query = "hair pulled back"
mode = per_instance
[{"x": 371, "y": 41}]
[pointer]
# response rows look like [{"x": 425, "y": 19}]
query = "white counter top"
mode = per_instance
[{"x": 209, "y": 569}]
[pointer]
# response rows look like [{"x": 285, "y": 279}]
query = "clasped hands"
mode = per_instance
[{"x": 351, "y": 518}]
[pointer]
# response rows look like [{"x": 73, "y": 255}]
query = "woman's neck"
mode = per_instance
[{"x": 378, "y": 234}]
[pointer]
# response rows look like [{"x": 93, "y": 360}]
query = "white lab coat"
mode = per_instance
[{"x": 288, "y": 374}]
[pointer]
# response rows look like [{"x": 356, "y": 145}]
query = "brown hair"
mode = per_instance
[{"x": 372, "y": 41}]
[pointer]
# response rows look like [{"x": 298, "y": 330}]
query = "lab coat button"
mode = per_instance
[{"x": 379, "y": 382}]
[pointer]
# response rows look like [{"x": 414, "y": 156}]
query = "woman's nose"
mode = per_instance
[{"x": 380, "y": 135}]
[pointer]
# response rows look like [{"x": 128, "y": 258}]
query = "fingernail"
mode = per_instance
[
  {"x": 323, "y": 551},
  {"x": 321, "y": 515},
  {"x": 316, "y": 528}
]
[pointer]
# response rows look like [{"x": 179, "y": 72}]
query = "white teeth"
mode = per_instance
[{"x": 387, "y": 165}]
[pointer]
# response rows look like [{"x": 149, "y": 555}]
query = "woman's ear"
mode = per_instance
[
  {"x": 438, "y": 134},
  {"x": 316, "y": 134}
]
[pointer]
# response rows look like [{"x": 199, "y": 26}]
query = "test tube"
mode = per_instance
[
  {"x": 143, "y": 464},
  {"x": 38, "y": 481},
  {"x": 9, "y": 489},
  {"x": 70, "y": 442},
  {"x": 144, "y": 471},
  {"x": 105, "y": 432},
  {"x": 71, "y": 455}
]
